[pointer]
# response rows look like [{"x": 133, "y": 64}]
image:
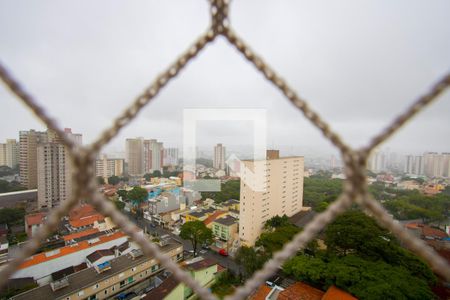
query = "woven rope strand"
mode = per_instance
[
  {"x": 415, "y": 108},
  {"x": 43, "y": 232},
  {"x": 106, "y": 208},
  {"x": 298, "y": 242},
  {"x": 33, "y": 105},
  {"x": 437, "y": 263},
  {"x": 161, "y": 81},
  {"x": 355, "y": 187},
  {"x": 290, "y": 94}
]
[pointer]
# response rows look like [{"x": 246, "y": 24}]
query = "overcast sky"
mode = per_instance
[{"x": 358, "y": 63}]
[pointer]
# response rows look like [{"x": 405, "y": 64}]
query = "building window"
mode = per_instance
[
  {"x": 133, "y": 269},
  {"x": 106, "y": 292},
  {"x": 96, "y": 286}
]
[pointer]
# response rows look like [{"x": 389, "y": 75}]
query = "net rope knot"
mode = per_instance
[{"x": 219, "y": 16}]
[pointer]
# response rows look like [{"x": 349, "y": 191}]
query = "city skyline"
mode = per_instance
[{"x": 357, "y": 104}]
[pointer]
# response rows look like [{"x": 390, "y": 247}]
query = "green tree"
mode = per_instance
[
  {"x": 277, "y": 221},
  {"x": 157, "y": 173},
  {"x": 249, "y": 260},
  {"x": 6, "y": 187},
  {"x": 12, "y": 216},
  {"x": 113, "y": 180},
  {"x": 228, "y": 190},
  {"x": 362, "y": 278},
  {"x": 123, "y": 194},
  {"x": 274, "y": 240},
  {"x": 100, "y": 180},
  {"x": 119, "y": 204},
  {"x": 148, "y": 176},
  {"x": 197, "y": 233},
  {"x": 355, "y": 231},
  {"x": 138, "y": 194}
]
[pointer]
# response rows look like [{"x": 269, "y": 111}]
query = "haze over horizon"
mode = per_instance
[{"x": 357, "y": 64}]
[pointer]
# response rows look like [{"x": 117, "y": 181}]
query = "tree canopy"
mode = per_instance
[
  {"x": 113, "y": 180},
  {"x": 228, "y": 190},
  {"x": 365, "y": 260},
  {"x": 12, "y": 216},
  {"x": 197, "y": 233},
  {"x": 137, "y": 194},
  {"x": 6, "y": 187},
  {"x": 249, "y": 260}
]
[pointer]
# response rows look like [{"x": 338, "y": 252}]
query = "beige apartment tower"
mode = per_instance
[
  {"x": 28, "y": 142},
  {"x": 106, "y": 167},
  {"x": 134, "y": 156},
  {"x": 9, "y": 153},
  {"x": 268, "y": 188},
  {"x": 219, "y": 157},
  {"x": 54, "y": 170}
]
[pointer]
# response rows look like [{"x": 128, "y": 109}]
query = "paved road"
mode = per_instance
[{"x": 227, "y": 262}]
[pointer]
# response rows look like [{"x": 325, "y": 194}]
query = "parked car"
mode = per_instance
[{"x": 223, "y": 252}]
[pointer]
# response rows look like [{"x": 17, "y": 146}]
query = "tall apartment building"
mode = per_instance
[
  {"x": 134, "y": 156},
  {"x": 28, "y": 141},
  {"x": 2, "y": 154},
  {"x": 9, "y": 153},
  {"x": 219, "y": 157},
  {"x": 143, "y": 156},
  {"x": 414, "y": 165},
  {"x": 170, "y": 157},
  {"x": 153, "y": 156},
  {"x": 54, "y": 170},
  {"x": 107, "y": 167},
  {"x": 282, "y": 179},
  {"x": 436, "y": 165}
]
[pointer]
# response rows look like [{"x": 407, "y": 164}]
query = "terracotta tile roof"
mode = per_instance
[
  {"x": 96, "y": 255},
  {"x": 82, "y": 211},
  {"x": 43, "y": 257},
  {"x": 261, "y": 293},
  {"x": 214, "y": 216},
  {"x": 429, "y": 231},
  {"x": 163, "y": 289},
  {"x": 86, "y": 220},
  {"x": 80, "y": 234},
  {"x": 333, "y": 293},
  {"x": 202, "y": 264},
  {"x": 35, "y": 219},
  {"x": 300, "y": 291}
]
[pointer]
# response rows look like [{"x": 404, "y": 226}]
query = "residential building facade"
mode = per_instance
[
  {"x": 106, "y": 167},
  {"x": 9, "y": 153},
  {"x": 281, "y": 180},
  {"x": 28, "y": 142},
  {"x": 219, "y": 157},
  {"x": 54, "y": 170}
]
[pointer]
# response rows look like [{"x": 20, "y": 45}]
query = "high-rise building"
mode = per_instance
[
  {"x": 144, "y": 156},
  {"x": 414, "y": 165},
  {"x": 436, "y": 165},
  {"x": 9, "y": 153},
  {"x": 170, "y": 157},
  {"x": 106, "y": 167},
  {"x": 134, "y": 156},
  {"x": 153, "y": 156},
  {"x": 282, "y": 193},
  {"x": 377, "y": 162},
  {"x": 219, "y": 157},
  {"x": 54, "y": 169},
  {"x": 28, "y": 141},
  {"x": 2, "y": 154}
]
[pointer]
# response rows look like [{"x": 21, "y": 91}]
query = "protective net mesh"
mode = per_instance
[{"x": 355, "y": 187}]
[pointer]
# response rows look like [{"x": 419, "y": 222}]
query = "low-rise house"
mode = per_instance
[
  {"x": 426, "y": 232},
  {"x": 106, "y": 280},
  {"x": 299, "y": 290},
  {"x": 33, "y": 222},
  {"x": 204, "y": 270},
  {"x": 41, "y": 265},
  {"x": 211, "y": 218},
  {"x": 225, "y": 228}
]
